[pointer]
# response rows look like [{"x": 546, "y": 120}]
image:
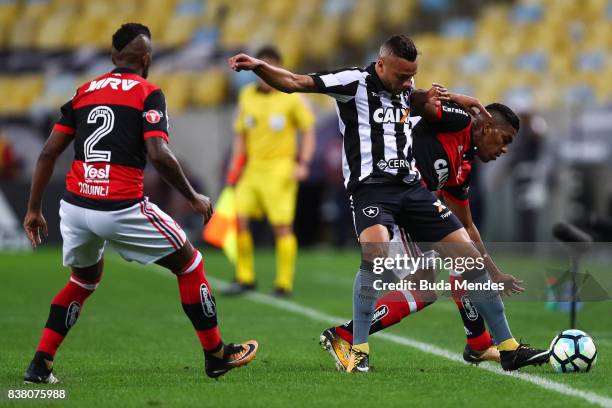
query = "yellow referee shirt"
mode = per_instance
[{"x": 269, "y": 122}]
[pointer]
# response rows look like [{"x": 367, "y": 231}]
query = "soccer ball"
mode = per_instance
[{"x": 572, "y": 351}]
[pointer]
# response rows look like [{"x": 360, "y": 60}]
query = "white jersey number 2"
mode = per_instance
[{"x": 108, "y": 121}]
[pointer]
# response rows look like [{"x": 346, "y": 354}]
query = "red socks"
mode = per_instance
[
  {"x": 65, "y": 310},
  {"x": 199, "y": 303}
]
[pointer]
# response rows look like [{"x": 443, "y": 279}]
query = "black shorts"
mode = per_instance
[{"x": 411, "y": 206}]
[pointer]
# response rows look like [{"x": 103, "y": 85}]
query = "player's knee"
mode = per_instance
[
  {"x": 243, "y": 224},
  {"x": 282, "y": 230},
  {"x": 89, "y": 274},
  {"x": 374, "y": 243}
]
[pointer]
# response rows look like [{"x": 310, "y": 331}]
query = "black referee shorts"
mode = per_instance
[{"x": 411, "y": 206}]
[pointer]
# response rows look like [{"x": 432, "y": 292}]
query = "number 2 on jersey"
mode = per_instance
[{"x": 108, "y": 122}]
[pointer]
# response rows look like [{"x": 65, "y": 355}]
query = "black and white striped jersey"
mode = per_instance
[{"x": 374, "y": 123}]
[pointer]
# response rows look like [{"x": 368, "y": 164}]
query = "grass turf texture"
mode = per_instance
[{"x": 133, "y": 346}]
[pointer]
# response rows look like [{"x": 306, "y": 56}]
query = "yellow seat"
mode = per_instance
[
  {"x": 177, "y": 32},
  {"x": 163, "y": 8},
  {"x": 361, "y": 24},
  {"x": 396, "y": 14},
  {"x": 291, "y": 46},
  {"x": 237, "y": 30},
  {"x": 21, "y": 91},
  {"x": 8, "y": 15},
  {"x": 24, "y": 32},
  {"x": 89, "y": 29},
  {"x": 53, "y": 31},
  {"x": 209, "y": 88},
  {"x": 38, "y": 8},
  {"x": 325, "y": 39},
  {"x": 176, "y": 89}
]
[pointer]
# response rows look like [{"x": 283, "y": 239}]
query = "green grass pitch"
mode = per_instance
[{"x": 133, "y": 346}]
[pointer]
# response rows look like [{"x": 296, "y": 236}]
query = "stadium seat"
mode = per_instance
[
  {"x": 178, "y": 30},
  {"x": 90, "y": 29},
  {"x": 176, "y": 88},
  {"x": 396, "y": 14},
  {"x": 8, "y": 14},
  {"x": 361, "y": 24},
  {"x": 325, "y": 39},
  {"x": 291, "y": 45},
  {"x": 35, "y": 8},
  {"x": 23, "y": 90},
  {"x": 24, "y": 32},
  {"x": 53, "y": 31},
  {"x": 209, "y": 88}
]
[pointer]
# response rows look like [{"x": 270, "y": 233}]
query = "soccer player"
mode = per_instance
[
  {"x": 373, "y": 107},
  {"x": 117, "y": 122},
  {"x": 266, "y": 127},
  {"x": 445, "y": 147}
]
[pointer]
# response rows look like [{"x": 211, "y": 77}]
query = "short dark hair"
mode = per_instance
[
  {"x": 505, "y": 113},
  {"x": 124, "y": 35},
  {"x": 401, "y": 46},
  {"x": 269, "y": 51}
]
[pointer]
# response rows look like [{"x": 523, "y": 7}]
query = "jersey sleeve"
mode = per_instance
[
  {"x": 460, "y": 193},
  {"x": 450, "y": 118},
  {"x": 302, "y": 114},
  {"x": 155, "y": 116},
  {"x": 341, "y": 85},
  {"x": 67, "y": 122}
]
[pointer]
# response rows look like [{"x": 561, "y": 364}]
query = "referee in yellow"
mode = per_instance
[{"x": 266, "y": 128}]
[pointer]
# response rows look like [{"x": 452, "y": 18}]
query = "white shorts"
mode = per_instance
[{"x": 141, "y": 233}]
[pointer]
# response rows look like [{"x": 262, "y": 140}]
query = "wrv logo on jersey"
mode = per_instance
[
  {"x": 391, "y": 115},
  {"x": 126, "y": 84}
]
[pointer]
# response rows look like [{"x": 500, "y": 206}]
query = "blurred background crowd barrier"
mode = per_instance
[{"x": 550, "y": 60}]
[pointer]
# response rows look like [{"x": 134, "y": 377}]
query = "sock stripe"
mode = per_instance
[
  {"x": 412, "y": 303},
  {"x": 193, "y": 263},
  {"x": 84, "y": 285}
]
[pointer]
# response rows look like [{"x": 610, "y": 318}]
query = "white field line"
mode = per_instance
[{"x": 317, "y": 315}]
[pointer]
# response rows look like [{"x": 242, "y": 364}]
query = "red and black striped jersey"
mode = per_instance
[
  {"x": 110, "y": 117},
  {"x": 443, "y": 152}
]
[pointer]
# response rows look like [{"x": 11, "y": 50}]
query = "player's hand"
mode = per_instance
[
  {"x": 470, "y": 103},
  {"x": 436, "y": 94},
  {"x": 301, "y": 172},
  {"x": 203, "y": 205},
  {"x": 243, "y": 62},
  {"x": 35, "y": 227},
  {"x": 512, "y": 285}
]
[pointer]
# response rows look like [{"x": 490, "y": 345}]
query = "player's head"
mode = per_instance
[
  {"x": 272, "y": 56},
  {"x": 492, "y": 136},
  {"x": 396, "y": 65},
  {"x": 132, "y": 48}
]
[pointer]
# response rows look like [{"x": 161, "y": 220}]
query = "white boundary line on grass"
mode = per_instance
[{"x": 315, "y": 314}]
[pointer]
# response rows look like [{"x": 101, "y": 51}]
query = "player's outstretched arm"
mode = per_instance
[
  {"x": 464, "y": 214},
  {"x": 278, "y": 78},
  {"x": 34, "y": 223},
  {"x": 164, "y": 161}
]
